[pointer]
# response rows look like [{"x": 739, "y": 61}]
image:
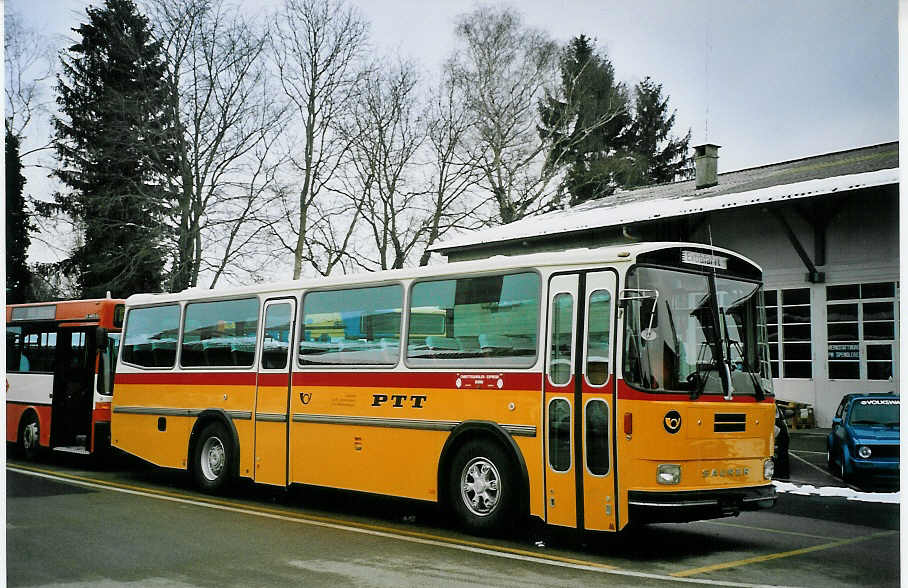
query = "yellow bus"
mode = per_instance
[{"x": 588, "y": 388}]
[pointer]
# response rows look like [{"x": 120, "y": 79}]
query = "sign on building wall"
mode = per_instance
[{"x": 845, "y": 351}]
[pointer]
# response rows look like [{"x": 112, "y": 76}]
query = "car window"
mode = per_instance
[{"x": 841, "y": 408}]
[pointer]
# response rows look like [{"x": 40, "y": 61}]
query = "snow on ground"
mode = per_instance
[{"x": 847, "y": 493}]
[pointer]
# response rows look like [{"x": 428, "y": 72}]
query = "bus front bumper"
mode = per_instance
[{"x": 693, "y": 505}]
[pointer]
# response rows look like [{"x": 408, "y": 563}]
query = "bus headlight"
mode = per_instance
[
  {"x": 769, "y": 469},
  {"x": 668, "y": 474},
  {"x": 864, "y": 452}
]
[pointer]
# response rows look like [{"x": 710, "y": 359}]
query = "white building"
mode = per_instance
[{"x": 825, "y": 230}]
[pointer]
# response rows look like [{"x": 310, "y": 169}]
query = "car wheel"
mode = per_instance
[
  {"x": 212, "y": 456},
  {"x": 842, "y": 473},
  {"x": 29, "y": 436},
  {"x": 783, "y": 465},
  {"x": 483, "y": 488},
  {"x": 829, "y": 463}
]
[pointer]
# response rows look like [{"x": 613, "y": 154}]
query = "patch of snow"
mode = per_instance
[
  {"x": 628, "y": 209},
  {"x": 847, "y": 493}
]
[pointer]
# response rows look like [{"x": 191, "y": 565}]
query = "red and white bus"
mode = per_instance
[
  {"x": 60, "y": 360},
  {"x": 586, "y": 388}
]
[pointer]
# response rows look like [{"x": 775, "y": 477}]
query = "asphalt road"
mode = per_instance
[{"x": 70, "y": 524}]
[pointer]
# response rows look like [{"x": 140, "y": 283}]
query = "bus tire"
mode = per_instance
[
  {"x": 29, "y": 436},
  {"x": 483, "y": 487},
  {"x": 212, "y": 457}
]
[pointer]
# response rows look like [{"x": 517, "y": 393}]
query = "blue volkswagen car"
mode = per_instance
[{"x": 864, "y": 441}]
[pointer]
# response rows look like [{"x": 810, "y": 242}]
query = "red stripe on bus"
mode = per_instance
[
  {"x": 469, "y": 380},
  {"x": 190, "y": 378},
  {"x": 273, "y": 380}
]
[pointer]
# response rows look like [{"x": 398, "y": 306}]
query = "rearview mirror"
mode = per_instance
[
  {"x": 100, "y": 337},
  {"x": 642, "y": 294}
]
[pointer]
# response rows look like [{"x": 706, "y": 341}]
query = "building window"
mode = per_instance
[
  {"x": 861, "y": 331},
  {"x": 788, "y": 327}
]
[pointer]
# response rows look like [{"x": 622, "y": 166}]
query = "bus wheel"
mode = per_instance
[
  {"x": 212, "y": 456},
  {"x": 483, "y": 488},
  {"x": 29, "y": 435}
]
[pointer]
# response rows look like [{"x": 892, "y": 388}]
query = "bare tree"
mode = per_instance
[
  {"x": 386, "y": 130},
  {"x": 318, "y": 45},
  {"x": 29, "y": 63},
  {"x": 503, "y": 68},
  {"x": 454, "y": 166},
  {"x": 229, "y": 121}
]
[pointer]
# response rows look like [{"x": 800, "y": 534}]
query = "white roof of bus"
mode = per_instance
[{"x": 583, "y": 256}]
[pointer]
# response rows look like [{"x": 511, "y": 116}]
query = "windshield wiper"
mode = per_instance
[
  {"x": 758, "y": 387},
  {"x": 701, "y": 376}
]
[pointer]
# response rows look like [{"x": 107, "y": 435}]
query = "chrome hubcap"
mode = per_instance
[
  {"x": 30, "y": 435},
  {"x": 479, "y": 486},
  {"x": 213, "y": 458}
]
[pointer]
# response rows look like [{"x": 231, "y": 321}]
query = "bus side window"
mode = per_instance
[
  {"x": 475, "y": 321},
  {"x": 355, "y": 326},
  {"x": 598, "y": 332},
  {"x": 150, "y": 338},
  {"x": 223, "y": 331},
  {"x": 15, "y": 358}
]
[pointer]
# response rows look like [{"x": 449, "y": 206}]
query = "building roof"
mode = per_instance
[{"x": 841, "y": 171}]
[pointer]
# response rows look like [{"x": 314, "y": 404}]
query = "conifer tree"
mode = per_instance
[
  {"x": 604, "y": 138},
  {"x": 18, "y": 225},
  {"x": 588, "y": 123},
  {"x": 661, "y": 157},
  {"x": 114, "y": 140}
]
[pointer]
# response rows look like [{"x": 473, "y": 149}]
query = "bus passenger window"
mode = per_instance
[
  {"x": 220, "y": 333},
  {"x": 478, "y": 321},
  {"x": 560, "y": 435},
  {"x": 150, "y": 338},
  {"x": 15, "y": 358},
  {"x": 359, "y": 326},
  {"x": 597, "y": 337},
  {"x": 562, "y": 352},
  {"x": 277, "y": 336},
  {"x": 597, "y": 455}
]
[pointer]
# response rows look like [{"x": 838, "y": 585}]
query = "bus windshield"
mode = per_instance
[{"x": 673, "y": 342}]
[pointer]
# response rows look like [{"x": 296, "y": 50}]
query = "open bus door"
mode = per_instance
[
  {"x": 73, "y": 396},
  {"x": 580, "y": 389}
]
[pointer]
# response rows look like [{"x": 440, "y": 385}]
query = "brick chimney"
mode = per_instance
[{"x": 705, "y": 164}]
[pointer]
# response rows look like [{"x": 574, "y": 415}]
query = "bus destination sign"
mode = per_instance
[{"x": 704, "y": 259}]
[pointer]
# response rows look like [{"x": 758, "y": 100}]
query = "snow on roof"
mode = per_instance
[
  {"x": 582, "y": 218},
  {"x": 815, "y": 176}
]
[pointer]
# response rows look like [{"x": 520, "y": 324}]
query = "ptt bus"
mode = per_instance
[
  {"x": 587, "y": 388},
  {"x": 60, "y": 360}
]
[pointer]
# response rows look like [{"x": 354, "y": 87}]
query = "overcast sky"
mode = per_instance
[{"x": 768, "y": 80}]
